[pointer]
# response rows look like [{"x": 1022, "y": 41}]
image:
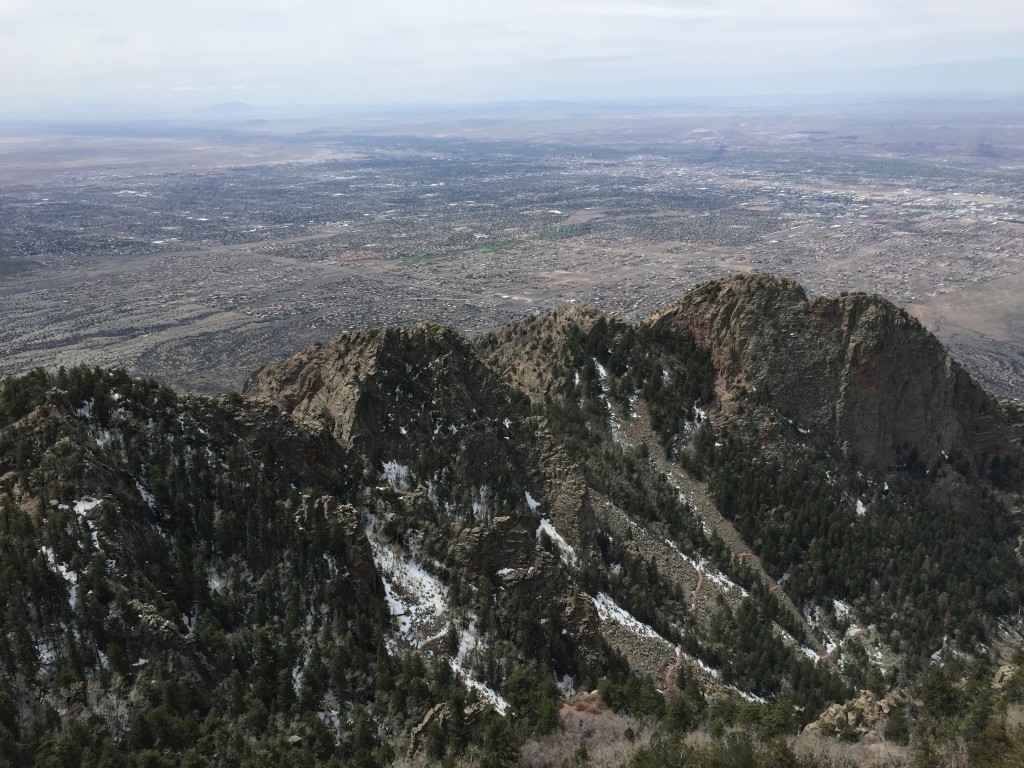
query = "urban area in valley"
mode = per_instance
[{"x": 193, "y": 252}]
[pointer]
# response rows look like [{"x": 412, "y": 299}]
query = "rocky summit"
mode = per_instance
[
  {"x": 855, "y": 367},
  {"x": 790, "y": 524}
]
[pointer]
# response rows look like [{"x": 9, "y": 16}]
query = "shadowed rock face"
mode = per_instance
[
  {"x": 421, "y": 396},
  {"x": 855, "y": 366},
  {"x": 393, "y": 391}
]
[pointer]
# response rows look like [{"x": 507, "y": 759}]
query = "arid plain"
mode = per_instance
[{"x": 195, "y": 251}]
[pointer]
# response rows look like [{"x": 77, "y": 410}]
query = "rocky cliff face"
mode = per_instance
[
  {"x": 401, "y": 394},
  {"x": 422, "y": 397},
  {"x": 399, "y": 515},
  {"x": 532, "y": 355},
  {"x": 855, "y": 367}
]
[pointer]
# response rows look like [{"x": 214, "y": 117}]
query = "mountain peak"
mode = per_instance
[{"x": 855, "y": 366}]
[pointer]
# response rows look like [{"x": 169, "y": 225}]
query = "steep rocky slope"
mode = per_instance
[
  {"x": 405, "y": 543},
  {"x": 855, "y": 367}
]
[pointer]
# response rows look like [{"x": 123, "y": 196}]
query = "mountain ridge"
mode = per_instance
[
  {"x": 406, "y": 542},
  {"x": 895, "y": 385}
]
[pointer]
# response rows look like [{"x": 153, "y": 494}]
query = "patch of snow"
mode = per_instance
[
  {"x": 397, "y": 607},
  {"x": 812, "y": 615},
  {"x": 841, "y": 609},
  {"x": 699, "y": 662},
  {"x": 330, "y": 718},
  {"x": 861, "y": 509},
  {"x": 487, "y": 694},
  {"x": 532, "y": 503},
  {"x": 507, "y": 423},
  {"x": 300, "y": 665},
  {"x": 615, "y": 568},
  {"x": 47, "y": 652},
  {"x": 398, "y": 475},
  {"x": 81, "y": 507},
  {"x": 480, "y": 502},
  {"x": 403, "y": 430},
  {"x": 810, "y": 653},
  {"x": 66, "y": 573},
  {"x": 415, "y": 597},
  {"x": 565, "y": 686},
  {"x": 147, "y": 497},
  {"x": 602, "y": 377},
  {"x": 701, "y": 565},
  {"x": 69, "y": 576},
  {"x": 469, "y": 644},
  {"x": 609, "y": 610},
  {"x": 751, "y": 697},
  {"x": 84, "y": 505},
  {"x": 568, "y": 553}
]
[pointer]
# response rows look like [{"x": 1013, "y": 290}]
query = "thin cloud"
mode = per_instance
[
  {"x": 344, "y": 50},
  {"x": 660, "y": 12}
]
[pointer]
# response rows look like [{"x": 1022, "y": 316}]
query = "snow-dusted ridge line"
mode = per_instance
[
  {"x": 701, "y": 566},
  {"x": 703, "y": 665},
  {"x": 609, "y": 610}
]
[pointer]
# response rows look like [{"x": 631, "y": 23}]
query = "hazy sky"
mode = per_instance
[{"x": 319, "y": 51}]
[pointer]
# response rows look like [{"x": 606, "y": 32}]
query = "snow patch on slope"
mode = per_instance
[
  {"x": 532, "y": 503},
  {"x": 701, "y": 566},
  {"x": 418, "y": 601},
  {"x": 602, "y": 377},
  {"x": 568, "y": 553},
  {"x": 609, "y": 610},
  {"x": 71, "y": 577},
  {"x": 415, "y": 597},
  {"x": 462, "y": 664},
  {"x": 398, "y": 475}
]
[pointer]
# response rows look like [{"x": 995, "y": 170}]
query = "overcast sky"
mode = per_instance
[{"x": 195, "y": 52}]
